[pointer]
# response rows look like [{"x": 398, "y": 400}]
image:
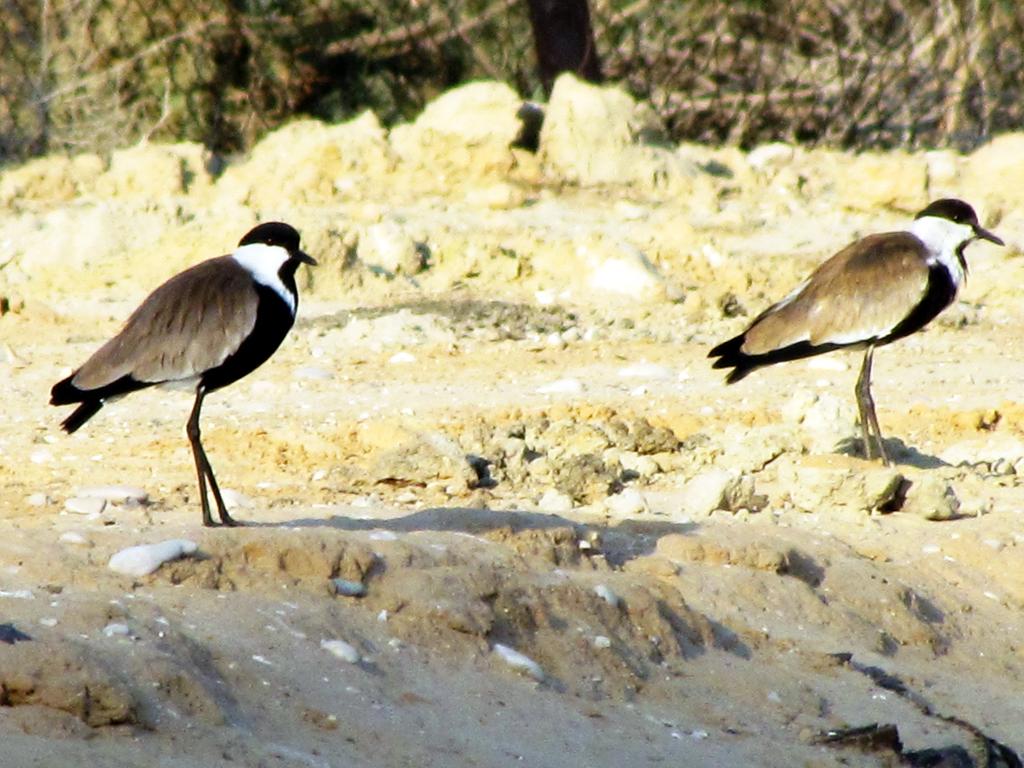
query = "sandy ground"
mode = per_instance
[
  {"x": 736, "y": 638},
  {"x": 701, "y": 574}
]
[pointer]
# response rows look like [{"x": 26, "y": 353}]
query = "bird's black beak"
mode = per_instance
[
  {"x": 305, "y": 258},
  {"x": 984, "y": 234}
]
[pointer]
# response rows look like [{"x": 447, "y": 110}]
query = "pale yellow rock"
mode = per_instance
[
  {"x": 988, "y": 179},
  {"x": 308, "y": 161},
  {"x": 598, "y": 135},
  {"x": 155, "y": 171},
  {"x": 825, "y": 483},
  {"x": 892, "y": 180},
  {"x": 468, "y": 130},
  {"x": 930, "y": 497},
  {"x": 54, "y": 179}
]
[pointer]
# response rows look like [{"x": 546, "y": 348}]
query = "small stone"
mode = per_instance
[
  {"x": 561, "y": 387},
  {"x": 313, "y": 373},
  {"x": 600, "y": 641},
  {"x": 146, "y": 558},
  {"x": 37, "y": 500},
  {"x": 117, "y": 630},
  {"x": 932, "y": 498},
  {"x": 644, "y": 370},
  {"x": 554, "y": 501},
  {"x": 627, "y": 503},
  {"x": 709, "y": 491},
  {"x": 85, "y": 505},
  {"x": 605, "y": 593},
  {"x": 41, "y": 456},
  {"x": 402, "y": 358},
  {"x": 347, "y": 588},
  {"x": 341, "y": 649},
  {"x": 70, "y": 537},
  {"x": 519, "y": 661},
  {"x": 644, "y": 466}
]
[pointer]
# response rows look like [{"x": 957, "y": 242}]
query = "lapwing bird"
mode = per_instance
[
  {"x": 873, "y": 292},
  {"x": 202, "y": 330}
]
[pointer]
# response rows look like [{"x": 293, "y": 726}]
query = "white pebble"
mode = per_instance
[
  {"x": 341, "y": 649},
  {"x": 314, "y": 373},
  {"x": 85, "y": 505},
  {"x": 554, "y": 501},
  {"x": 116, "y": 630},
  {"x": 519, "y": 661},
  {"x": 561, "y": 387},
  {"x": 37, "y": 500},
  {"x": 41, "y": 456},
  {"x": 645, "y": 370},
  {"x": 70, "y": 537},
  {"x": 605, "y": 593},
  {"x": 114, "y": 494},
  {"x": 600, "y": 641},
  {"x": 545, "y": 297},
  {"x": 146, "y": 558},
  {"x": 48, "y": 622},
  {"x": 402, "y": 358},
  {"x": 627, "y": 503}
]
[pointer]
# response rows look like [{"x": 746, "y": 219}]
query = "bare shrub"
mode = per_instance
[{"x": 96, "y": 74}]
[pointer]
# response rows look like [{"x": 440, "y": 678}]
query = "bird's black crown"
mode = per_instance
[
  {"x": 950, "y": 208},
  {"x": 272, "y": 233}
]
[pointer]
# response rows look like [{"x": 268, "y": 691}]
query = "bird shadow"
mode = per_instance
[
  {"x": 899, "y": 452},
  {"x": 617, "y": 543},
  {"x": 620, "y": 541}
]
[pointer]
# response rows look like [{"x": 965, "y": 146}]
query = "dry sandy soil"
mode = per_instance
[{"x": 505, "y": 450}]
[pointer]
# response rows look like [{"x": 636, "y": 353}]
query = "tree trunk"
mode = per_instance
[{"x": 564, "y": 40}]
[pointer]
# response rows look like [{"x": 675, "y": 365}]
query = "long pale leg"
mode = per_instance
[
  {"x": 203, "y": 468},
  {"x": 868, "y": 420}
]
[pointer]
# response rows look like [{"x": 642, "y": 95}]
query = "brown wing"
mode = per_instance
[
  {"x": 188, "y": 325},
  {"x": 861, "y": 293}
]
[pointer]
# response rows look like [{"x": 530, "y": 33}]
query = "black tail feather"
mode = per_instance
[
  {"x": 65, "y": 393},
  {"x": 731, "y": 355},
  {"x": 80, "y": 415}
]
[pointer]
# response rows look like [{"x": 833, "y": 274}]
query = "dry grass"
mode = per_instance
[{"x": 97, "y": 74}]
